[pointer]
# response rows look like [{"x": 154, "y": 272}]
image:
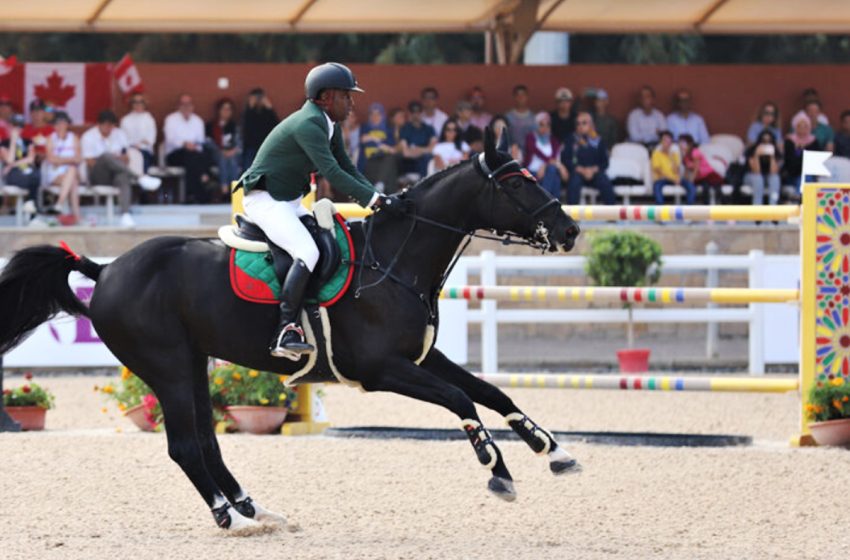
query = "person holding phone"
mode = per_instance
[{"x": 764, "y": 161}]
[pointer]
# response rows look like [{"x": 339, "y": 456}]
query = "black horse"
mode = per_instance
[{"x": 165, "y": 306}]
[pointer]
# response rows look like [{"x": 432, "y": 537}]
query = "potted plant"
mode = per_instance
[
  {"x": 828, "y": 412},
  {"x": 136, "y": 400},
  {"x": 629, "y": 259},
  {"x": 257, "y": 402},
  {"x": 28, "y": 404}
]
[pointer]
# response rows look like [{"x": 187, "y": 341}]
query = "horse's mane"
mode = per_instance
[{"x": 423, "y": 185}]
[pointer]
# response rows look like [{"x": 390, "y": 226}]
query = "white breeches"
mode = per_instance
[{"x": 279, "y": 220}]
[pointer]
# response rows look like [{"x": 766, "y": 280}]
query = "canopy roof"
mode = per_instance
[{"x": 392, "y": 16}]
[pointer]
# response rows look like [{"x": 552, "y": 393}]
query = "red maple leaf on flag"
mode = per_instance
[{"x": 55, "y": 93}]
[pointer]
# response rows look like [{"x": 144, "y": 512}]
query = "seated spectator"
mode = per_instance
[
  {"x": 842, "y": 137},
  {"x": 563, "y": 115},
  {"x": 451, "y": 149},
  {"x": 104, "y": 148},
  {"x": 811, "y": 94},
  {"x": 469, "y": 133},
  {"x": 351, "y": 137},
  {"x": 697, "y": 168},
  {"x": 542, "y": 150},
  {"x": 378, "y": 156},
  {"x": 766, "y": 119},
  {"x": 184, "y": 147},
  {"x": 17, "y": 162},
  {"x": 6, "y": 113},
  {"x": 666, "y": 169},
  {"x": 499, "y": 124},
  {"x": 606, "y": 125},
  {"x": 396, "y": 119},
  {"x": 140, "y": 128},
  {"x": 223, "y": 135},
  {"x": 520, "y": 118},
  {"x": 684, "y": 121},
  {"x": 763, "y": 163},
  {"x": 822, "y": 131},
  {"x": 480, "y": 117},
  {"x": 795, "y": 144},
  {"x": 646, "y": 122},
  {"x": 63, "y": 155},
  {"x": 431, "y": 114},
  {"x": 38, "y": 129},
  {"x": 417, "y": 142},
  {"x": 258, "y": 119},
  {"x": 586, "y": 158}
]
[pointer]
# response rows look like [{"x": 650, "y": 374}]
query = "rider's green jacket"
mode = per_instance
[{"x": 299, "y": 146}]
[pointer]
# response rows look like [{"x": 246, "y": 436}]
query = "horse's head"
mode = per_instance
[{"x": 520, "y": 205}]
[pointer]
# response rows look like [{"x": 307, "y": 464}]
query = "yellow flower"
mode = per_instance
[
  {"x": 125, "y": 374},
  {"x": 253, "y": 373},
  {"x": 282, "y": 378},
  {"x": 837, "y": 382},
  {"x": 845, "y": 399},
  {"x": 108, "y": 389},
  {"x": 264, "y": 401},
  {"x": 281, "y": 397},
  {"x": 103, "y": 410},
  {"x": 237, "y": 376},
  {"x": 218, "y": 381},
  {"x": 837, "y": 404},
  {"x": 122, "y": 407}
]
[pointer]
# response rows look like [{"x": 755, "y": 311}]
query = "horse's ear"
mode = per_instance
[
  {"x": 491, "y": 156},
  {"x": 502, "y": 144}
]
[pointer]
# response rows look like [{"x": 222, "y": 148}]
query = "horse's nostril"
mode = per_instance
[{"x": 573, "y": 231}]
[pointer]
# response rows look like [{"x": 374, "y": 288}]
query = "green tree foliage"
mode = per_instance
[{"x": 623, "y": 258}]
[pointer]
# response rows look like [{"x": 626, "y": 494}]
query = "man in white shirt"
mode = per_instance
[
  {"x": 184, "y": 147},
  {"x": 104, "y": 148},
  {"x": 140, "y": 128},
  {"x": 431, "y": 114},
  {"x": 645, "y": 122},
  {"x": 684, "y": 121}
]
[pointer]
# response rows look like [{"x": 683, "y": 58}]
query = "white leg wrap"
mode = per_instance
[
  {"x": 267, "y": 516},
  {"x": 559, "y": 455},
  {"x": 239, "y": 522}
]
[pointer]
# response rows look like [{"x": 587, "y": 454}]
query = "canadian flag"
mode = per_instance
[
  {"x": 81, "y": 90},
  {"x": 127, "y": 76}
]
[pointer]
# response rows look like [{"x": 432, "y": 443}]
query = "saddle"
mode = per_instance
[{"x": 257, "y": 264}]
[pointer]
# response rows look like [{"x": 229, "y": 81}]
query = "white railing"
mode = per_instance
[{"x": 761, "y": 349}]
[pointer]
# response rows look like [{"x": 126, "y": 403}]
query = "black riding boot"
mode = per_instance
[{"x": 289, "y": 341}]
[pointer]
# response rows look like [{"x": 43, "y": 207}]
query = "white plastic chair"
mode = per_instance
[
  {"x": 839, "y": 167},
  {"x": 733, "y": 143},
  {"x": 630, "y": 160}
]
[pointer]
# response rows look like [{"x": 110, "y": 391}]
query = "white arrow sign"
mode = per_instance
[{"x": 813, "y": 163}]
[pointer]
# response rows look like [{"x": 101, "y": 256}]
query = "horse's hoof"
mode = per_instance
[
  {"x": 502, "y": 488},
  {"x": 241, "y": 525},
  {"x": 561, "y": 462},
  {"x": 265, "y": 516}
]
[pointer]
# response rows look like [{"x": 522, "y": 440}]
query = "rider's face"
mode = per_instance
[{"x": 341, "y": 104}]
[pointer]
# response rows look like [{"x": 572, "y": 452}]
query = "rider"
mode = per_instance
[{"x": 307, "y": 141}]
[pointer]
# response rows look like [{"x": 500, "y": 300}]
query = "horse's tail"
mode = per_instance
[{"x": 34, "y": 287}]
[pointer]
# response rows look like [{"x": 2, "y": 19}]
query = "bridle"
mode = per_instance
[{"x": 539, "y": 240}]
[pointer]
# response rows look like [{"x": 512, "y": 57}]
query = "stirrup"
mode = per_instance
[{"x": 292, "y": 349}]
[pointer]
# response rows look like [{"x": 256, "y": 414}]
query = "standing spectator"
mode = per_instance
[
  {"x": 563, "y": 115},
  {"x": 140, "y": 128},
  {"x": 431, "y": 114},
  {"x": 63, "y": 155},
  {"x": 258, "y": 120},
  {"x": 606, "y": 125},
  {"x": 646, "y": 122},
  {"x": 378, "y": 155},
  {"x": 842, "y": 137},
  {"x": 38, "y": 129},
  {"x": 542, "y": 149},
  {"x": 666, "y": 166},
  {"x": 17, "y": 162},
  {"x": 766, "y": 119},
  {"x": 480, "y": 117},
  {"x": 586, "y": 159},
  {"x": 184, "y": 147},
  {"x": 697, "y": 168},
  {"x": 417, "y": 142},
  {"x": 104, "y": 149},
  {"x": 822, "y": 131},
  {"x": 763, "y": 163},
  {"x": 795, "y": 144},
  {"x": 520, "y": 118},
  {"x": 469, "y": 133},
  {"x": 684, "y": 121},
  {"x": 451, "y": 149},
  {"x": 224, "y": 138}
]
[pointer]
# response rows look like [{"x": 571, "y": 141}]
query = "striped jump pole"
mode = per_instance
[
  {"x": 566, "y": 294},
  {"x": 683, "y": 213},
  {"x": 671, "y": 382}
]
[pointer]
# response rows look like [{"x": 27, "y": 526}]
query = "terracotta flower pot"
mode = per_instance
[
  {"x": 31, "y": 418},
  {"x": 832, "y": 432},
  {"x": 634, "y": 360},
  {"x": 136, "y": 415},
  {"x": 257, "y": 419}
]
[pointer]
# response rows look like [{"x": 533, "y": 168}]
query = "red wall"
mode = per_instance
[{"x": 727, "y": 96}]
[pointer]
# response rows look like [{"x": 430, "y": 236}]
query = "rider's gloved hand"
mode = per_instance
[{"x": 390, "y": 204}]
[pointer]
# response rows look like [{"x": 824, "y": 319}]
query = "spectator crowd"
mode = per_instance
[{"x": 571, "y": 146}]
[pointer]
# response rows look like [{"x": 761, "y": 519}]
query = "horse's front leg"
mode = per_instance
[
  {"x": 539, "y": 440},
  {"x": 401, "y": 376}
]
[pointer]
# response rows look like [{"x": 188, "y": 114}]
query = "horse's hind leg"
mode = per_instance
[
  {"x": 170, "y": 372},
  {"x": 240, "y": 499},
  {"x": 406, "y": 378},
  {"x": 541, "y": 441}
]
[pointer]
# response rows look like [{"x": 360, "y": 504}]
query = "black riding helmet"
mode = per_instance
[{"x": 331, "y": 75}]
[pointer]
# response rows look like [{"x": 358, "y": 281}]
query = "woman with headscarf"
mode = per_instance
[
  {"x": 541, "y": 155},
  {"x": 378, "y": 157},
  {"x": 796, "y": 143}
]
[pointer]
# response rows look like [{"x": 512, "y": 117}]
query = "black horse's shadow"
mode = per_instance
[{"x": 165, "y": 306}]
